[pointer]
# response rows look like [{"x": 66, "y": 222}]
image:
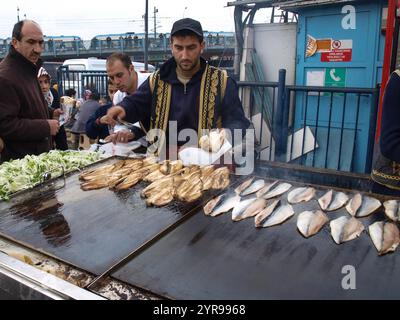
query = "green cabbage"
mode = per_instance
[{"x": 17, "y": 175}]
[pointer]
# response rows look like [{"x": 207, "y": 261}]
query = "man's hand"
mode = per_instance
[
  {"x": 123, "y": 136},
  {"x": 57, "y": 112},
  {"x": 113, "y": 113},
  {"x": 54, "y": 126}
]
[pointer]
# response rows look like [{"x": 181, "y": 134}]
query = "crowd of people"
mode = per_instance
[{"x": 184, "y": 90}]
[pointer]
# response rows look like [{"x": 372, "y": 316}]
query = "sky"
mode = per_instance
[{"x": 87, "y": 18}]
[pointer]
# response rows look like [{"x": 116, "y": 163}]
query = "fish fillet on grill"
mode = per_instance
[
  {"x": 278, "y": 216},
  {"x": 277, "y": 191},
  {"x": 102, "y": 181},
  {"x": 134, "y": 164},
  {"x": 344, "y": 229},
  {"x": 210, "y": 205},
  {"x": 169, "y": 167},
  {"x": 215, "y": 178},
  {"x": 161, "y": 198},
  {"x": 392, "y": 209},
  {"x": 265, "y": 189},
  {"x": 385, "y": 236},
  {"x": 265, "y": 213},
  {"x": 244, "y": 185},
  {"x": 206, "y": 176},
  {"x": 254, "y": 187},
  {"x": 226, "y": 204},
  {"x": 157, "y": 186},
  {"x": 146, "y": 170},
  {"x": 94, "y": 184},
  {"x": 361, "y": 206},
  {"x": 92, "y": 174},
  {"x": 252, "y": 209},
  {"x": 310, "y": 223},
  {"x": 149, "y": 160},
  {"x": 154, "y": 176},
  {"x": 220, "y": 178},
  {"x": 207, "y": 170},
  {"x": 191, "y": 189},
  {"x": 301, "y": 194},
  {"x": 332, "y": 201},
  {"x": 129, "y": 181}
]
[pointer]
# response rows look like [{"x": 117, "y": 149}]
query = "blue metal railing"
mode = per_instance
[
  {"x": 342, "y": 122},
  {"x": 80, "y": 80}
]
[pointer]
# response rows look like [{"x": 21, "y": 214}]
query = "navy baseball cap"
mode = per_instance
[{"x": 187, "y": 24}]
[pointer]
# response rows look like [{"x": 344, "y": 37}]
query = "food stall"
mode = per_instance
[{"x": 58, "y": 241}]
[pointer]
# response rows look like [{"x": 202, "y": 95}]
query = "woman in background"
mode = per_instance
[{"x": 53, "y": 103}]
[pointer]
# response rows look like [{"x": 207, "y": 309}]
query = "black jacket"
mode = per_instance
[
  {"x": 185, "y": 102},
  {"x": 390, "y": 133},
  {"x": 23, "y": 110}
]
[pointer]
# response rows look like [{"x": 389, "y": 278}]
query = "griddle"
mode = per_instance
[
  {"x": 91, "y": 230},
  {"x": 216, "y": 258}
]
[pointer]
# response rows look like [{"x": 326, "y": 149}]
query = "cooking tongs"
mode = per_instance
[{"x": 125, "y": 123}]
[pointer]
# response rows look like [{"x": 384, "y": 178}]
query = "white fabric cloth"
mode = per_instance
[
  {"x": 48, "y": 96},
  {"x": 119, "y": 95}
]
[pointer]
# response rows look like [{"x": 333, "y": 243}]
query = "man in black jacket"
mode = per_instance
[
  {"x": 25, "y": 126},
  {"x": 186, "y": 91}
]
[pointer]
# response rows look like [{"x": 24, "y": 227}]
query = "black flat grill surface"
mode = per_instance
[
  {"x": 91, "y": 230},
  {"x": 216, "y": 258}
]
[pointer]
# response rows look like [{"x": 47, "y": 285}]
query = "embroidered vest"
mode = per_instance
[{"x": 212, "y": 92}]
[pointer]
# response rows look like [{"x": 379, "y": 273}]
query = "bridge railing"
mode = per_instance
[{"x": 96, "y": 46}]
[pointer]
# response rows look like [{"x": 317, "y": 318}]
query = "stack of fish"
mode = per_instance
[
  {"x": 169, "y": 179},
  {"x": 186, "y": 184},
  {"x": 268, "y": 211},
  {"x": 121, "y": 175},
  {"x": 258, "y": 206}
]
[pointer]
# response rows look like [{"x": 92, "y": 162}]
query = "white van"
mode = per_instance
[
  {"x": 89, "y": 72},
  {"x": 94, "y": 64}
]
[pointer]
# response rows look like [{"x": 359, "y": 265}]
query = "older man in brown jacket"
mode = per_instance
[{"x": 25, "y": 124}]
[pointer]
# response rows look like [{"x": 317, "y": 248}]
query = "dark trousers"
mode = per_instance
[{"x": 60, "y": 139}]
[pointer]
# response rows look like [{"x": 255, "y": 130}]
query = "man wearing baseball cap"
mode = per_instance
[{"x": 186, "y": 90}]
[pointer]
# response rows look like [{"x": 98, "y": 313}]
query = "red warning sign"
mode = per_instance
[{"x": 342, "y": 51}]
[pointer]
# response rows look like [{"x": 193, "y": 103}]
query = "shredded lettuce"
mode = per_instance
[{"x": 17, "y": 175}]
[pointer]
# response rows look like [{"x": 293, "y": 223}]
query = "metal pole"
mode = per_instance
[
  {"x": 372, "y": 129},
  {"x": 279, "y": 117},
  {"x": 18, "y": 14},
  {"x": 146, "y": 36},
  {"x": 155, "y": 22}
]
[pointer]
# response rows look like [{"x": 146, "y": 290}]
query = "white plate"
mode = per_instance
[
  {"x": 190, "y": 156},
  {"x": 118, "y": 149}
]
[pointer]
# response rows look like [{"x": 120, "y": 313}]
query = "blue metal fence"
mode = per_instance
[
  {"x": 81, "y": 80},
  {"x": 332, "y": 135}
]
